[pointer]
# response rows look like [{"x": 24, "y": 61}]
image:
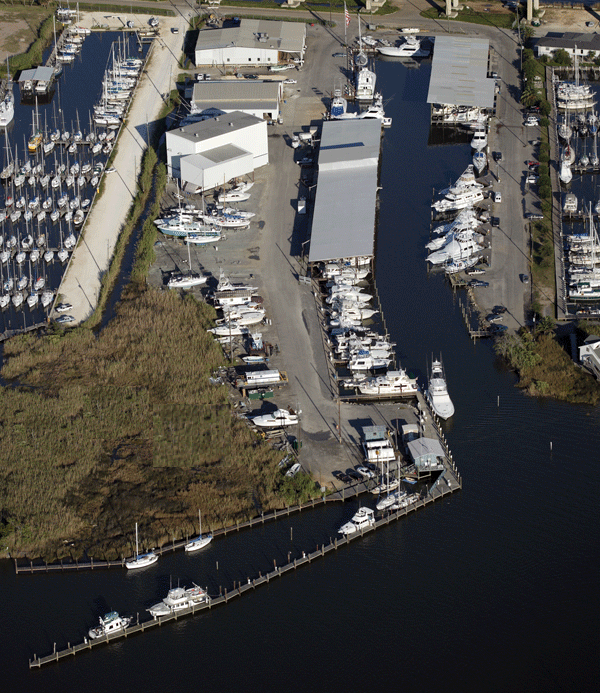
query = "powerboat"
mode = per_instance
[
  {"x": 140, "y": 560},
  {"x": 409, "y": 48},
  {"x": 392, "y": 383},
  {"x": 480, "y": 161},
  {"x": 437, "y": 392},
  {"x": 479, "y": 140},
  {"x": 465, "y": 192},
  {"x": 109, "y": 624},
  {"x": 365, "y": 84},
  {"x": 362, "y": 519},
  {"x": 7, "y": 107},
  {"x": 179, "y": 598},
  {"x": 277, "y": 419}
]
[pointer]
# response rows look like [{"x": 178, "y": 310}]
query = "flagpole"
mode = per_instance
[{"x": 345, "y": 26}]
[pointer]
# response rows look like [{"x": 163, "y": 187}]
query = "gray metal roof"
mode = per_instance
[
  {"x": 344, "y": 213},
  {"x": 570, "y": 40},
  {"x": 213, "y": 127},
  {"x": 283, "y": 36},
  {"x": 235, "y": 95},
  {"x": 459, "y": 72},
  {"x": 218, "y": 155},
  {"x": 425, "y": 446},
  {"x": 37, "y": 74}
]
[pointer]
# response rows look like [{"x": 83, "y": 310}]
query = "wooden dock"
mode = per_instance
[{"x": 450, "y": 485}]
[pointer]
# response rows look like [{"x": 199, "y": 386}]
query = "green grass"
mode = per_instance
[{"x": 500, "y": 20}]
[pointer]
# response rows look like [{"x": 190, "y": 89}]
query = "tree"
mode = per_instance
[
  {"x": 561, "y": 57},
  {"x": 545, "y": 108},
  {"x": 545, "y": 325},
  {"x": 530, "y": 96}
]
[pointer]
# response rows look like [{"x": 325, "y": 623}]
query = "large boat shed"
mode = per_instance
[
  {"x": 253, "y": 42},
  {"x": 343, "y": 224},
  {"x": 459, "y": 73},
  {"x": 427, "y": 454}
]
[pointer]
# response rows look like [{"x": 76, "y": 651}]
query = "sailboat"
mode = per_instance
[
  {"x": 140, "y": 560},
  {"x": 201, "y": 541}
]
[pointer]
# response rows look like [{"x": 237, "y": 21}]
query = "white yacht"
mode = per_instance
[
  {"x": 332, "y": 270},
  {"x": 200, "y": 541},
  {"x": 186, "y": 281},
  {"x": 480, "y": 139},
  {"x": 480, "y": 161},
  {"x": 111, "y": 623},
  {"x": 405, "y": 501},
  {"x": 140, "y": 560},
  {"x": 570, "y": 204},
  {"x": 339, "y": 106},
  {"x": 7, "y": 107},
  {"x": 437, "y": 392},
  {"x": 465, "y": 192},
  {"x": 244, "y": 314},
  {"x": 277, "y": 419},
  {"x": 365, "y": 84},
  {"x": 177, "y": 599},
  {"x": 565, "y": 174},
  {"x": 387, "y": 501},
  {"x": 392, "y": 383},
  {"x": 234, "y": 196},
  {"x": 363, "y": 518},
  {"x": 409, "y": 48},
  {"x": 458, "y": 246}
]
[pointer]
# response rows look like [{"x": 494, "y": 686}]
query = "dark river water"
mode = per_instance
[{"x": 493, "y": 589}]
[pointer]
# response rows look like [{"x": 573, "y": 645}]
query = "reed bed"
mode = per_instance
[{"x": 101, "y": 432}]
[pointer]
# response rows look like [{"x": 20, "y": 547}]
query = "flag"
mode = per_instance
[{"x": 346, "y": 15}]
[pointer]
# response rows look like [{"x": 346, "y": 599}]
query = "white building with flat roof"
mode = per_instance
[
  {"x": 258, "y": 98},
  {"x": 253, "y": 42},
  {"x": 209, "y": 153}
]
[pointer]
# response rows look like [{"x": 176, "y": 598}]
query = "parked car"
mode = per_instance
[
  {"x": 372, "y": 466},
  {"x": 532, "y": 178},
  {"x": 354, "y": 474},
  {"x": 63, "y": 307},
  {"x": 65, "y": 319},
  {"x": 289, "y": 80},
  {"x": 498, "y": 310},
  {"x": 478, "y": 284},
  {"x": 366, "y": 473},
  {"x": 525, "y": 278},
  {"x": 494, "y": 317},
  {"x": 531, "y": 121},
  {"x": 496, "y": 329},
  {"x": 174, "y": 30},
  {"x": 495, "y": 221},
  {"x": 534, "y": 215},
  {"x": 338, "y": 55},
  {"x": 497, "y": 156},
  {"x": 498, "y": 196},
  {"x": 533, "y": 164},
  {"x": 345, "y": 479},
  {"x": 250, "y": 76},
  {"x": 493, "y": 75}
]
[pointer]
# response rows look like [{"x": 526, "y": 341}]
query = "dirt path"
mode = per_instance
[{"x": 81, "y": 284}]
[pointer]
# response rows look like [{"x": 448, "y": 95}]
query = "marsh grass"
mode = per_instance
[{"x": 83, "y": 434}]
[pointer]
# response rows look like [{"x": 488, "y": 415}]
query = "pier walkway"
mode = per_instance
[{"x": 450, "y": 485}]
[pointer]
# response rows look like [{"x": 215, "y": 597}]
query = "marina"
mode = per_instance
[{"x": 464, "y": 536}]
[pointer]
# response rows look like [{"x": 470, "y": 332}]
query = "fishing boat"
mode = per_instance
[
  {"x": 362, "y": 519},
  {"x": 277, "y": 419},
  {"x": 140, "y": 560},
  {"x": 409, "y": 48},
  {"x": 179, "y": 598},
  {"x": 437, "y": 391},
  {"x": 109, "y": 624},
  {"x": 200, "y": 541},
  {"x": 392, "y": 383}
]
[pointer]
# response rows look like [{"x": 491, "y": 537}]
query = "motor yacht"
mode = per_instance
[
  {"x": 179, "y": 598},
  {"x": 437, "y": 391},
  {"x": 362, "y": 519},
  {"x": 109, "y": 624},
  {"x": 277, "y": 419}
]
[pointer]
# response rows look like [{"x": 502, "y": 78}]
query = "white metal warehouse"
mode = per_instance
[
  {"x": 344, "y": 212},
  {"x": 258, "y": 98},
  {"x": 253, "y": 42},
  {"x": 210, "y": 153}
]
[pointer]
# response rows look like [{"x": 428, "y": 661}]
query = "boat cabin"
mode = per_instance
[{"x": 377, "y": 445}]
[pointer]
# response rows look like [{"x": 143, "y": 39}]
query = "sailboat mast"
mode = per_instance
[{"x": 137, "y": 551}]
